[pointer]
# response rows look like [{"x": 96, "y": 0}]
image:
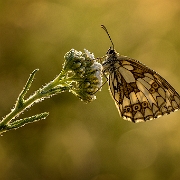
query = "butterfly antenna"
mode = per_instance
[{"x": 105, "y": 29}]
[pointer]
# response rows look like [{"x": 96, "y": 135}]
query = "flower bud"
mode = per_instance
[{"x": 87, "y": 73}]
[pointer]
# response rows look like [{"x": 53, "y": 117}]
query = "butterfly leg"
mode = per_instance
[{"x": 102, "y": 84}]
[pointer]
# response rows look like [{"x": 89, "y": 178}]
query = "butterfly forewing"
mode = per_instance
[{"x": 140, "y": 93}]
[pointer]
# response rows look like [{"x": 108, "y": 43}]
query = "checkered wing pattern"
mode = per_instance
[{"x": 140, "y": 93}]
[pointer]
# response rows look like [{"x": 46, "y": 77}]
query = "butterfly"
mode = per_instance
[{"x": 140, "y": 93}]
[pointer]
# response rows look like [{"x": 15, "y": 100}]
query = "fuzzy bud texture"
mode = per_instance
[{"x": 85, "y": 72}]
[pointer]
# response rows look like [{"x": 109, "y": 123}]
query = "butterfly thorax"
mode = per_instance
[{"x": 111, "y": 61}]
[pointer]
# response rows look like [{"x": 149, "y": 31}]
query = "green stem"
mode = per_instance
[
  {"x": 35, "y": 98},
  {"x": 18, "y": 110},
  {"x": 59, "y": 80}
]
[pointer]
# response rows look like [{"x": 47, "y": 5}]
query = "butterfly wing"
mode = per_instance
[{"x": 140, "y": 93}]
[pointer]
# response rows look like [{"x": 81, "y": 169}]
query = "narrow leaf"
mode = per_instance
[
  {"x": 20, "y": 99},
  {"x": 21, "y": 122}
]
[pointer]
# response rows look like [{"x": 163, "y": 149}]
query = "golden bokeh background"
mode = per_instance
[{"x": 77, "y": 140}]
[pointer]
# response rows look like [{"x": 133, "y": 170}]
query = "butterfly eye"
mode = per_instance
[
  {"x": 136, "y": 107},
  {"x": 110, "y": 51}
]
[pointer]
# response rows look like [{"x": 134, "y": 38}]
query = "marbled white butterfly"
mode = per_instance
[{"x": 140, "y": 93}]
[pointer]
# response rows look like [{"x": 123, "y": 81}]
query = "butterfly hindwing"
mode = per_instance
[{"x": 140, "y": 93}]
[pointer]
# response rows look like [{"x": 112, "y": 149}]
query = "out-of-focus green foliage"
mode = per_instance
[{"x": 77, "y": 140}]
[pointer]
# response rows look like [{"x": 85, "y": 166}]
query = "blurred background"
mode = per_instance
[{"x": 77, "y": 140}]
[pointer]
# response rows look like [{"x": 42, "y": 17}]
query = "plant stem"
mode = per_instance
[
  {"x": 18, "y": 110},
  {"x": 35, "y": 98}
]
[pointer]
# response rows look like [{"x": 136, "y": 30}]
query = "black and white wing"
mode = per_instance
[{"x": 140, "y": 93}]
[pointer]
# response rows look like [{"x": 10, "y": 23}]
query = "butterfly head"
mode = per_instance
[{"x": 111, "y": 51}]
